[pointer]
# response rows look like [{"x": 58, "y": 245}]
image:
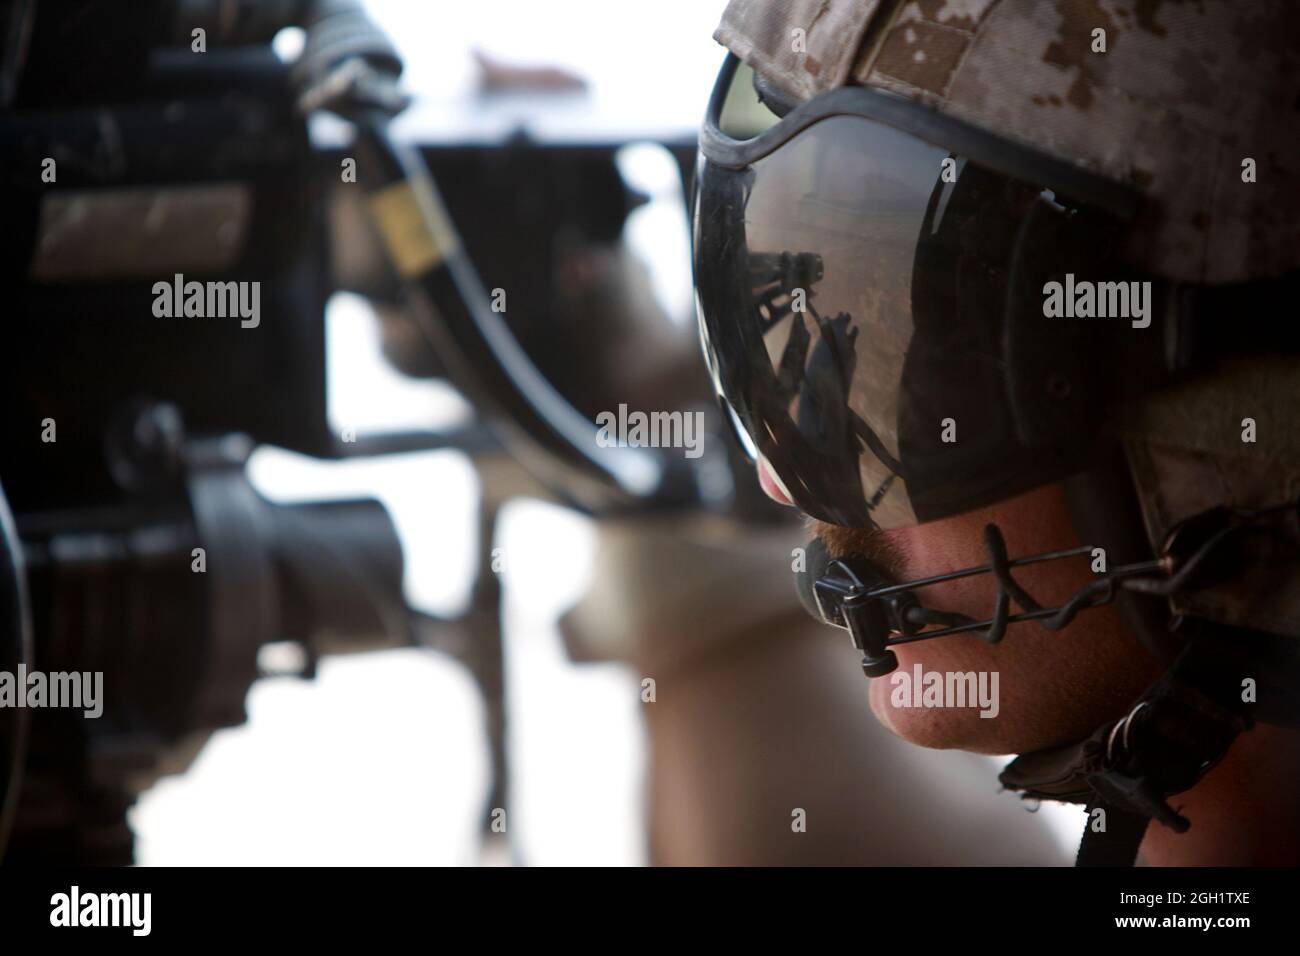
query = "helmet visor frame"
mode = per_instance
[{"x": 831, "y": 368}]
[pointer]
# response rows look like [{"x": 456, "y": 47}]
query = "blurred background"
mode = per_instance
[
  {"x": 397, "y": 736},
  {"x": 506, "y": 606}
]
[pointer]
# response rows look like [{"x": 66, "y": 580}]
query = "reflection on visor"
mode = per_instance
[
  {"x": 828, "y": 241},
  {"x": 852, "y": 301}
]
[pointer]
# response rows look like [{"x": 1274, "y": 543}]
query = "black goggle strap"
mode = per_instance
[{"x": 879, "y": 613}]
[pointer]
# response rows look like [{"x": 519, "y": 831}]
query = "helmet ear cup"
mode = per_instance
[{"x": 1104, "y": 509}]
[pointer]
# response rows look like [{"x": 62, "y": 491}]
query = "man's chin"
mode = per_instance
[
  {"x": 1025, "y": 699},
  {"x": 897, "y": 703}
]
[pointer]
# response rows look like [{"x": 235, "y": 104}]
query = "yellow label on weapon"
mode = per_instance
[{"x": 417, "y": 238}]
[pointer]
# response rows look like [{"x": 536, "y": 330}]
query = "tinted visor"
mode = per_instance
[{"x": 858, "y": 288}]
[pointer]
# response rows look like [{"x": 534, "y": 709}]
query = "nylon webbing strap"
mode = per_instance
[{"x": 1117, "y": 844}]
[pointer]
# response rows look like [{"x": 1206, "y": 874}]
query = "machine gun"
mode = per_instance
[{"x": 143, "y": 153}]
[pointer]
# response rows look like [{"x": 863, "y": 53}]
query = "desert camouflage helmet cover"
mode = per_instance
[{"x": 1186, "y": 92}]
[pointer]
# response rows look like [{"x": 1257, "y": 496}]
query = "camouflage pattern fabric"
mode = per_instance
[
  {"x": 1185, "y": 93},
  {"x": 1186, "y": 454}
]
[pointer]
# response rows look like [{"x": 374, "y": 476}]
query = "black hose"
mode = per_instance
[{"x": 534, "y": 421}]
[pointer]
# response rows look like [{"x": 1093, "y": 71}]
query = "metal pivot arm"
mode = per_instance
[
  {"x": 849, "y": 596},
  {"x": 879, "y": 613}
]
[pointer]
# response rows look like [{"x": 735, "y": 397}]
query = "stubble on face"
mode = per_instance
[{"x": 871, "y": 543}]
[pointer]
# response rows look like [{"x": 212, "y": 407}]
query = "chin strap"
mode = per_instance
[
  {"x": 1177, "y": 731},
  {"x": 1118, "y": 845}
]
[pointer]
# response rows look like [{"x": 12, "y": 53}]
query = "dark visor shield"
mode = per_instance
[{"x": 871, "y": 303}]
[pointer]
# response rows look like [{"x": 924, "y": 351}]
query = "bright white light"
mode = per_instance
[
  {"x": 289, "y": 43},
  {"x": 658, "y": 232}
]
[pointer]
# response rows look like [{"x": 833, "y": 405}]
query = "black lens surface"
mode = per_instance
[{"x": 853, "y": 286}]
